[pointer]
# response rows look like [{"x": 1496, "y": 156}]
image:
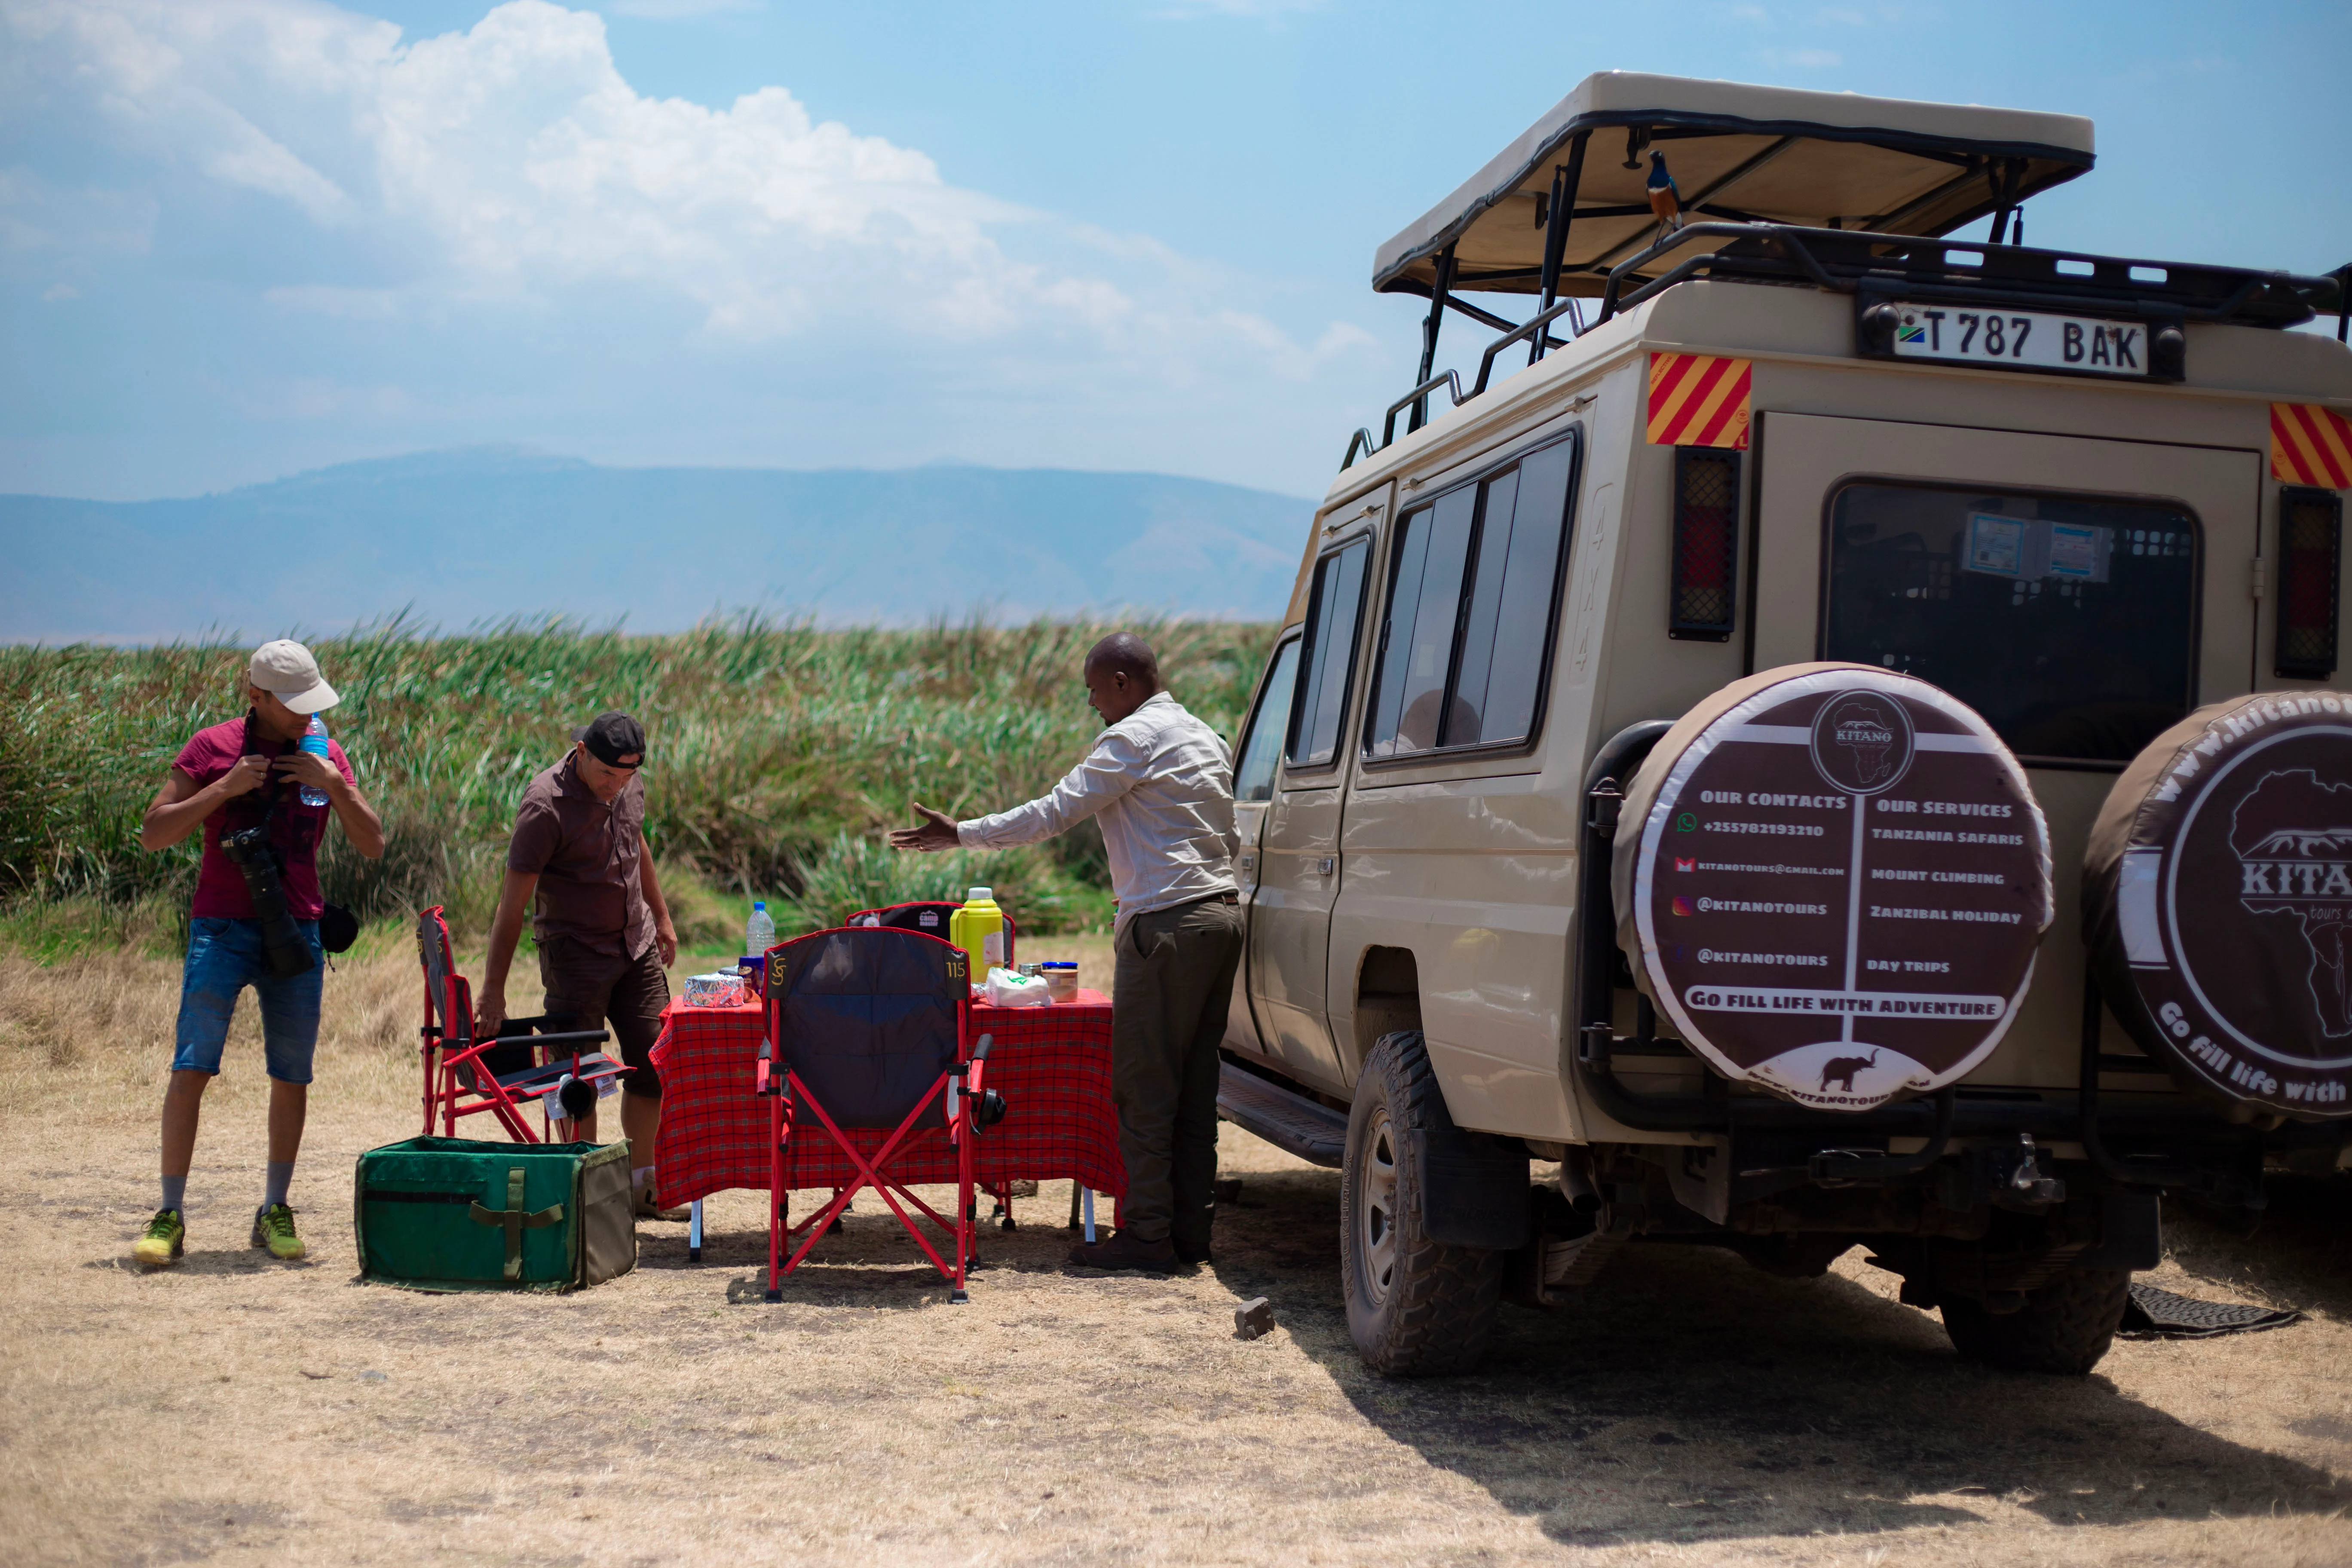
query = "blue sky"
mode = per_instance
[{"x": 243, "y": 237}]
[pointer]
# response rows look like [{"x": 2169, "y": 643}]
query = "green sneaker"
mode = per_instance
[
  {"x": 273, "y": 1227},
  {"x": 166, "y": 1238}
]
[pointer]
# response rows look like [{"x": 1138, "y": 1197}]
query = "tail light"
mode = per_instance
[
  {"x": 2311, "y": 560},
  {"x": 1707, "y": 543}
]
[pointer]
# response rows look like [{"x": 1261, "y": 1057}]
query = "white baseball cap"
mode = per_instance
[{"x": 286, "y": 669}]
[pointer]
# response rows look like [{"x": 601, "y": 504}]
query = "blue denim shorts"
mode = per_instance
[{"x": 224, "y": 958}]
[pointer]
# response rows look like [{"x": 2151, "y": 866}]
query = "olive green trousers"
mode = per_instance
[{"x": 1174, "y": 983}]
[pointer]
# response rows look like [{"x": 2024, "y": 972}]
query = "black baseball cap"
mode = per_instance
[{"x": 612, "y": 736}]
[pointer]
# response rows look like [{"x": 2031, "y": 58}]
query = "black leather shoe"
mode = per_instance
[
  {"x": 1195, "y": 1255},
  {"x": 1122, "y": 1251}
]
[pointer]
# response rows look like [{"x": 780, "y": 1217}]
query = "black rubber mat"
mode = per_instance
[{"x": 2155, "y": 1314}]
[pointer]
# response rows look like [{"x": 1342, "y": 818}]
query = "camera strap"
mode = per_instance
[{"x": 306, "y": 827}]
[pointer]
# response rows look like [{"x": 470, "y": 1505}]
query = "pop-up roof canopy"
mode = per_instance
[{"x": 1821, "y": 160}]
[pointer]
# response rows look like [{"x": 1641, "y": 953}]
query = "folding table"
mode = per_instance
[{"x": 1052, "y": 1063}]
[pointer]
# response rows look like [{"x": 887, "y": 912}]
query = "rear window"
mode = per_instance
[{"x": 2069, "y": 622}]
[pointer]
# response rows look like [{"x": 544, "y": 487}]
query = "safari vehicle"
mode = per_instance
[{"x": 1765, "y": 743}]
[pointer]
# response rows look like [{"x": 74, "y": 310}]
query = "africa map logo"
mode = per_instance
[{"x": 2292, "y": 837}]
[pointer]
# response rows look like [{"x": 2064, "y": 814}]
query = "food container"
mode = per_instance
[
  {"x": 1061, "y": 981},
  {"x": 753, "y": 967},
  {"x": 1009, "y": 988},
  {"x": 715, "y": 990}
]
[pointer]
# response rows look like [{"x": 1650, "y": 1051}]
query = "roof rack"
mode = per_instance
[
  {"x": 1911, "y": 267},
  {"x": 1847, "y": 261}
]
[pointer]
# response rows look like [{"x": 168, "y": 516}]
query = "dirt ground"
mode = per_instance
[{"x": 1690, "y": 1410}]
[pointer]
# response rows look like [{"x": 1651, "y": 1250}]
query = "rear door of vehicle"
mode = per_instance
[
  {"x": 1255, "y": 757},
  {"x": 2081, "y": 594},
  {"x": 1299, "y": 849}
]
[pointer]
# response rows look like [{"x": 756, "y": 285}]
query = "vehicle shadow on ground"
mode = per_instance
[
  {"x": 1691, "y": 1398},
  {"x": 2299, "y": 1255}
]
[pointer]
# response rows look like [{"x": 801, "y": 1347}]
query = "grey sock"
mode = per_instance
[
  {"x": 175, "y": 1192},
  {"x": 281, "y": 1177}
]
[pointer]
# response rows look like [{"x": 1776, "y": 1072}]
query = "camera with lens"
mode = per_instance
[{"x": 249, "y": 849}]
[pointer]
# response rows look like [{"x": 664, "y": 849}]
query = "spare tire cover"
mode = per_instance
[
  {"x": 2238, "y": 818},
  {"x": 1832, "y": 879}
]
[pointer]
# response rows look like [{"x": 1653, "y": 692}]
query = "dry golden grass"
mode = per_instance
[{"x": 1690, "y": 1411}]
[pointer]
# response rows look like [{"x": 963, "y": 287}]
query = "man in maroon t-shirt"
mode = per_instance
[{"x": 250, "y": 773}]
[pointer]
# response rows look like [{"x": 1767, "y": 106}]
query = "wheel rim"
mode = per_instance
[{"x": 1376, "y": 1220}]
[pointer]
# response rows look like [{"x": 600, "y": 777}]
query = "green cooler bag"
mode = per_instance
[{"x": 452, "y": 1214}]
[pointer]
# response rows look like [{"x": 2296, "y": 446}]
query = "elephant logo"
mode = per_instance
[{"x": 1840, "y": 1071}]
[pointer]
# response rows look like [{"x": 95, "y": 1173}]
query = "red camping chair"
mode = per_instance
[
  {"x": 930, "y": 917},
  {"x": 866, "y": 1028},
  {"x": 465, "y": 1076}
]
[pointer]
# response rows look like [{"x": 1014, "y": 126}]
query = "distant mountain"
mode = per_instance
[{"x": 481, "y": 533}]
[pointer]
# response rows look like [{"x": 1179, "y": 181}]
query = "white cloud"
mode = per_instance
[
  {"x": 1802, "y": 59},
  {"x": 799, "y": 292},
  {"x": 58, "y": 291},
  {"x": 512, "y": 165}
]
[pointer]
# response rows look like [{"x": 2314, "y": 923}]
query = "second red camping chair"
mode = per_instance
[
  {"x": 468, "y": 1076},
  {"x": 867, "y": 1028}
]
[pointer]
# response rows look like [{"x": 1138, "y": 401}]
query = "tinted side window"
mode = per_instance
[
  {"x": 1502, "y": 674},
  {"x": 1253, "y": 770},
  {"x": 1424, "y": 599},
  {"x": 1474, "y": 582},
  {"x": 1327, "y": 657},
  {"x": 2069, "y": 622}
]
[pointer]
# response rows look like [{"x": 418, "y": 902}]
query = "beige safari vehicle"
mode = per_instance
[{"x": 2065, "y": 520}]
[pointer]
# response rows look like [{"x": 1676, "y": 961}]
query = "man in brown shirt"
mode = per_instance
[{"x": 603, "y": 934}]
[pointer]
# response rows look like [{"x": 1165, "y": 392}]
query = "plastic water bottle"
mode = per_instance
[
  {"x": 758, "y": 932},
  {"x": 314, "y": 740}
]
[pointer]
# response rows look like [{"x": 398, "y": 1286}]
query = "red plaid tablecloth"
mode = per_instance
[{"x": 1051, "y": 1064}]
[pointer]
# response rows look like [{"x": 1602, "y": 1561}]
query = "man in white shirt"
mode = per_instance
[{"x": 1163, "y": 785}]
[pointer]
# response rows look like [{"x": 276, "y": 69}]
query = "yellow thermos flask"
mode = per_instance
[{"x": 978, "y": 928}]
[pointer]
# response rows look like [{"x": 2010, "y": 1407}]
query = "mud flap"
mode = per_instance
[
  {"x": 1474, "y": 1187},
  {"x": 2131, "y": 1233}
]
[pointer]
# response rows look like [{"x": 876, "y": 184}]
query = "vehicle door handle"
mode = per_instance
[{"x": 1323, "y": 867}]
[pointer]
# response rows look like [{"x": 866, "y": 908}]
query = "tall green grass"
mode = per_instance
[{"x": 779, "y": 752}]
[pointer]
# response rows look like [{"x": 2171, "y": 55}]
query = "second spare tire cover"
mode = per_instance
[
  {"x": 1832, "y": 879},
  {"x": 2217, "y": 902}
]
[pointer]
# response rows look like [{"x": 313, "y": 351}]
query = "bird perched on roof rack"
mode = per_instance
[{"x": 1665, "y": 199}]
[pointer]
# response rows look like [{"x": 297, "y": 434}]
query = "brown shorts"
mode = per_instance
[{"x": 598, "y": 991}]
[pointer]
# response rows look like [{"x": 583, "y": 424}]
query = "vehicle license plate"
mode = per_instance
[{"x": 2032, "y": 340}]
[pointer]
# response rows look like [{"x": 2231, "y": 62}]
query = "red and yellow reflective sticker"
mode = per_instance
[
  {"x": 1698, "y": 399},
  {"x": 2309, "y": 444}
]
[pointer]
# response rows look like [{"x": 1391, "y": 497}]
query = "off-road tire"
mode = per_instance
[
  {"x": 2065, "y": 1327},
  {"x": 1435, "y": 1313}
]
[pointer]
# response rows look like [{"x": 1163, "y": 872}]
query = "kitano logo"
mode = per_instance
[
  {"x": 2292, "y": 837},
  {"x": 1862, "y": 742},
  {"x": 1861, "y": 729}
]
